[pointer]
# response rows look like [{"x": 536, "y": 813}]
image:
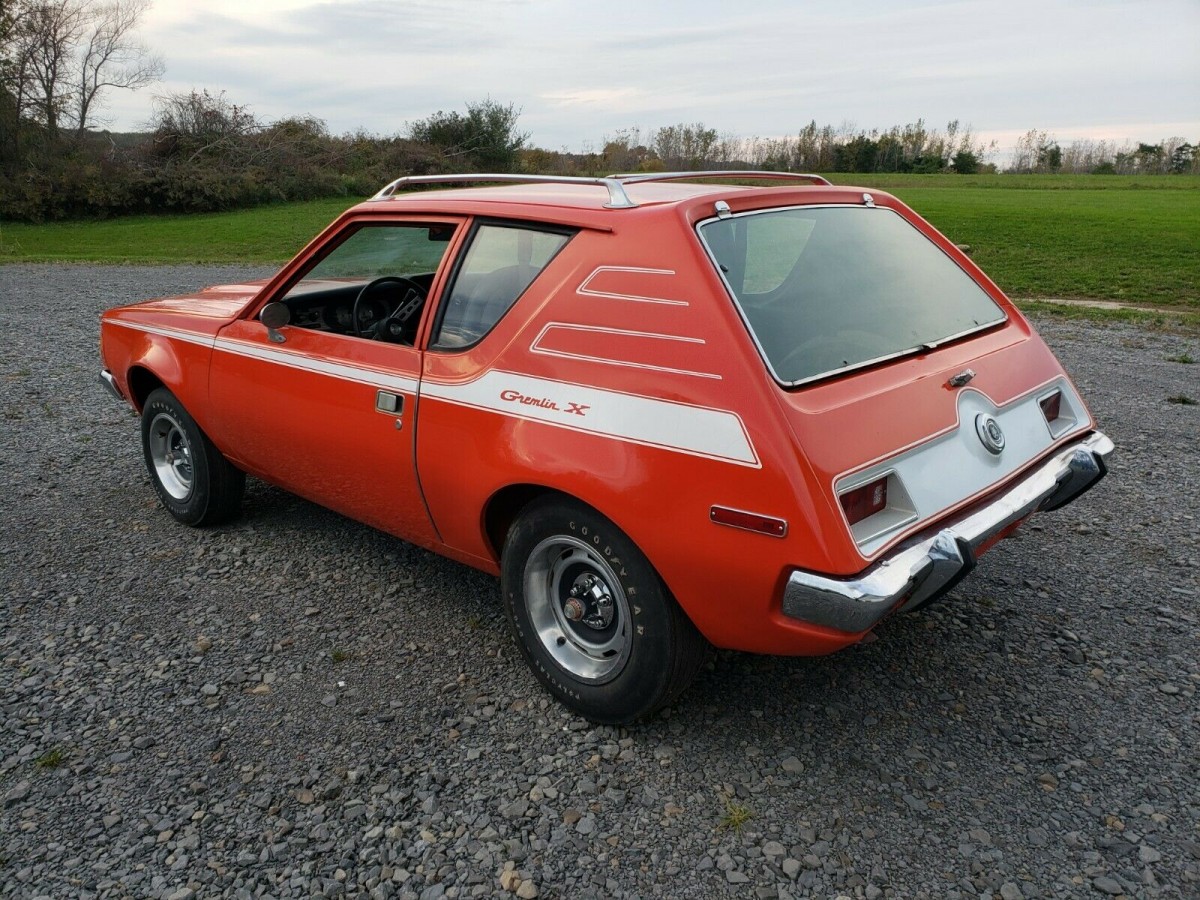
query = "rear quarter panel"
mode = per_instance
[{"x": 636, "y": 324}]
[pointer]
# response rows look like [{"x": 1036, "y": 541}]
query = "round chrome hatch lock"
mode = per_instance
[{"x": 990, "y": 433}]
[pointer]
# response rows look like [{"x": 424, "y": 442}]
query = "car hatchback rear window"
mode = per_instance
[{"x": 825, "y": 289}]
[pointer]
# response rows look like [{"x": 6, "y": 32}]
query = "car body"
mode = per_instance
[{"x": 671, "y": 415}]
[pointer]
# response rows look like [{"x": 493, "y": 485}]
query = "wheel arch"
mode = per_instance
[
  {"x": 503, "y": 507},
  {"x": 141, "y": 382}
]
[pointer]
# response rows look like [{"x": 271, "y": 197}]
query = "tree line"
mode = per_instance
[
  {"x": 61, "y": 60},
  {"x": 814, "y": 148},
  {"x": 1037, "y": 152}
]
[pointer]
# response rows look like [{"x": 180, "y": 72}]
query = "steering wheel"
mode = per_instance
[{"x": 412, "y": 299}]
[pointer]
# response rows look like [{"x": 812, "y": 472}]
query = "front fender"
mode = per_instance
[{"x": 141, "y": 357}]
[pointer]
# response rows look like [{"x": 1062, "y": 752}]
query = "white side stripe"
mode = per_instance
[
  {"x": 716, "y": 434},
  {"x": 359, "y": 374},
  {"x": 600, "y": 329},
  {"x": 188, "y": 337},
  {"x": 694, "y": 430}
]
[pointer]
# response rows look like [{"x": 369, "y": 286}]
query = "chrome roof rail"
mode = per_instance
[
  {"x": 748, "y": 174},
  {"x": 617, "y": 198}
]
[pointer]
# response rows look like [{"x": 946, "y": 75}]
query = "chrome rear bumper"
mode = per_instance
[{"x": 916, "y": 573}]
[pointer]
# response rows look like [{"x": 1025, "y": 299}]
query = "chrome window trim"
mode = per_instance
[{"x": 874, "y": 361}]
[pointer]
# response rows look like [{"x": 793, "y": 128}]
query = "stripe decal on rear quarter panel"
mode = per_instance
[
  {"x": 585, "y": 290},
  {"x": 715, "y": 434},
  {"x": 694, "y": 430},
  {"x": 536, "y": 347}
]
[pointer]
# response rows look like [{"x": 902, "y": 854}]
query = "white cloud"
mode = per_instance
[
  {"x": 1004, "y": 66},
  {"x": 605, "y": 97}
]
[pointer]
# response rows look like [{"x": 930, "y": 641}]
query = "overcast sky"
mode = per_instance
[{"x": 1105, "y": 69}]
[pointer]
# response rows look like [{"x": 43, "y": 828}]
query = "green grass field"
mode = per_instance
[
  {"x": 1135, "y": 240},
  {"x": 1129, "y": 239},
  {"x": 266, "y": 234}
]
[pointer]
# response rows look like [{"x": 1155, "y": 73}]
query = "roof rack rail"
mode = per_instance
[
  {"x": 748, "y": 174},
  {"x": 617, "y": 198}
]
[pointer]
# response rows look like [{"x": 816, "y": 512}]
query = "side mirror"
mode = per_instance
[{"x": 275, "y": 316}]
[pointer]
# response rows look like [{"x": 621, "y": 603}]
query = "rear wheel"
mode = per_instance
[
  {"x": 192, "y": 478},
  {"x": 591, "y": 616}
]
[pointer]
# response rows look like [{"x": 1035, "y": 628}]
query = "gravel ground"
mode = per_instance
[{"x": 298, "y": 706}]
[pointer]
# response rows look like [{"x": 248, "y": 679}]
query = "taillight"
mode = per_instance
[
  {"x": 1060, "y": 413},
  {"x": 865, "y": 501},
  {"x": 1051, "y": 406},
  {"x": 876, "y": 509}
]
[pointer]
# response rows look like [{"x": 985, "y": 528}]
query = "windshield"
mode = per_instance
[{"x": 825, "y": 289}]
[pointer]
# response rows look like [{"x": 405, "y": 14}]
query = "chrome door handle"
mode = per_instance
[{"x": 389, "y": 403}]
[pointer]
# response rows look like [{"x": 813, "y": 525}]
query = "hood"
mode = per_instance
[{"x": 221, "y": 301}]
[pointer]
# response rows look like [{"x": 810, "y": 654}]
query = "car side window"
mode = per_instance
[
  {"x": 373, "y": 283},
  {"x": 500, "y": 263}
]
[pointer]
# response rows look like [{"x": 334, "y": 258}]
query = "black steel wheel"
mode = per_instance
[{"x": 590, "y": 615}]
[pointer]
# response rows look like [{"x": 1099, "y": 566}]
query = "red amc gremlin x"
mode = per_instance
[{"x": 668, "y": 415}]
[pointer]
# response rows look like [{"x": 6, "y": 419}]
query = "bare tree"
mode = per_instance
[
  {"x": 111, "y": 56},
  {"x": 1030, "y": 152},
  {"x": 51, "y": 32},
  {"x": 60, "y": 56},
  {"x": 13, "y": 63}
]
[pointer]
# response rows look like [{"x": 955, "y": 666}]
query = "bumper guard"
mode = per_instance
[{"x": 110, "y": 384}]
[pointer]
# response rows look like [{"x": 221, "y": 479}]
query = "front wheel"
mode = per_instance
[
  {"x": 591, "y": 616},
  {"x": 192, "y": 478}
]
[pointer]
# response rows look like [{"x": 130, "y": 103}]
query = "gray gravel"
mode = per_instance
[{"x": 299, "y": 706}]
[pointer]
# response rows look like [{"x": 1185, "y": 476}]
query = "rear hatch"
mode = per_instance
[{"x": 911, "y": 389}]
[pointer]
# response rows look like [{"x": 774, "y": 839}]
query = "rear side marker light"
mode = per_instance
[
  {"x": 1051, "y": 406},
  {"x": 865, "y": 501},
  {"x": 736, "y": 518}
]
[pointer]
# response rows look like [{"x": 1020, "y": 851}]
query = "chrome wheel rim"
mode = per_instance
[
  {"x": 577, "y": 608},
  {"x": 171, "y": 455}
]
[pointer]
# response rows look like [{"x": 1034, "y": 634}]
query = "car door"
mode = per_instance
[
  {"x": 472, "y": 425},
  {"x": 326, "y": 405}
]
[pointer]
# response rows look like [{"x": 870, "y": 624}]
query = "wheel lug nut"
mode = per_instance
[{"x": 573, "y": 610}]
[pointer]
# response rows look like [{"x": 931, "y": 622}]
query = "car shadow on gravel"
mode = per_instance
[{"x": 932, "y": 669}]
